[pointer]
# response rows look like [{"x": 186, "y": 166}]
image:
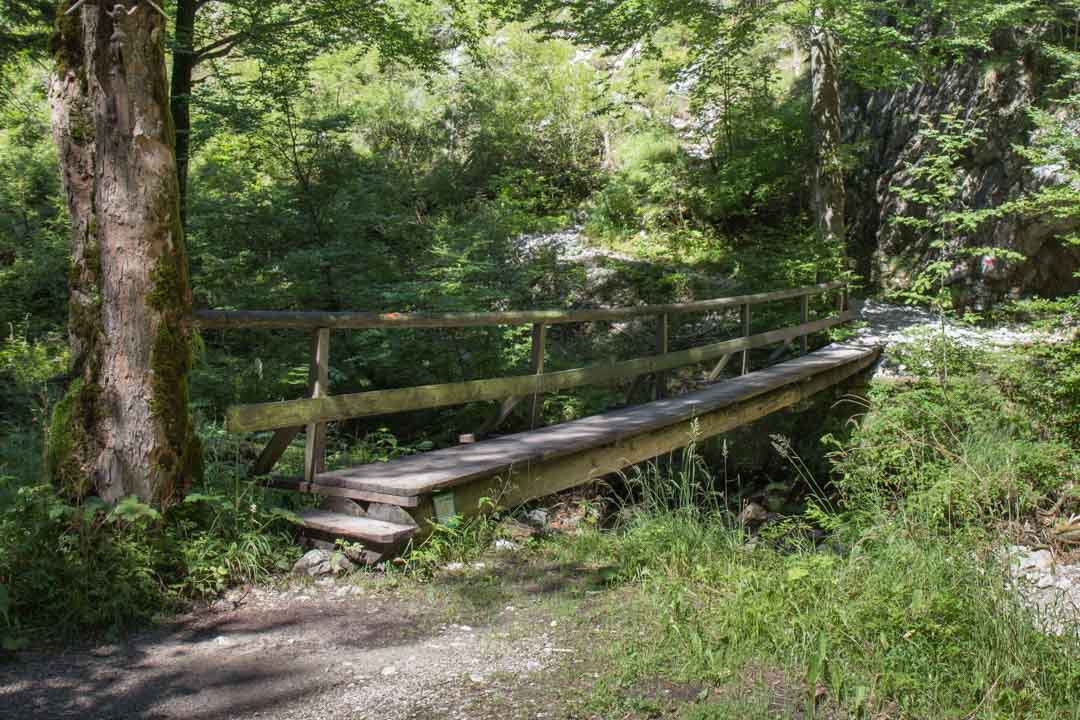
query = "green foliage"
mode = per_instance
[
  {"x": 26, "y": 367},
  {"x": 904, "y": 608},
  {"x": 999, "y": 444},
  {"x": 33, "y": 220},
  {"x": 938, "y": 211},
  {"x": 656, "y": 195},
  {"x": 1045, "y": 378},
  {"x": 68, "y": 569},
  {"x": 455, "y": 540}
]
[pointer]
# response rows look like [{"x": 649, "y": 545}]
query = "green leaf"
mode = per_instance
[
  {"x": 193, "y": 498},
  {"x": 285, "y": 515},
  {"x": 131, "y": 509},
  {"x": 797, "y": 573}
]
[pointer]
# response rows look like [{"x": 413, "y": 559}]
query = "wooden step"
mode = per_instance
[
  {"x": 357, "y": 528},
  {"x": 296, "y": 484},
  {"x": 425, "y": 473}
]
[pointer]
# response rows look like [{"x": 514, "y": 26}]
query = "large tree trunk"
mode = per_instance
[
  {"x": 828, "y": 187},
  {"x": 183, "y": 68},
  {"x": 124, "y": 427}
]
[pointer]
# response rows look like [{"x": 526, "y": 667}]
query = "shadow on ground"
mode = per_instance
[{"x": 226, "y": 665}]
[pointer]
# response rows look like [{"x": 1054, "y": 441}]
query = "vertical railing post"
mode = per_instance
[
  {"x": 842, "y": 299},
  {"x": 536, "y": 366},
  {"x": 663, "y": 339},
  {"x": 804, "y": 317},
  {"x": 744, "y": 316},
  {"x": 315, "y": 434}
]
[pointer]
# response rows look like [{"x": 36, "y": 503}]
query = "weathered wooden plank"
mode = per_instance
[
  {"x": 536, "y": 367},
  {"x": 358, "y": 528},
  {"x": 715, "y": 372},
  {"x": 299, "y": 485},
  {"x": 522, "y": 482},
  {"x": 439, "y": 469},
  {"x": 268, "y": 319},
  {"x": 315, "y": 435},
  {"x": 268, "y": 416},
  {"x": 274, "y": 449},
  {"x": 804, "y": 317},
  {"x": 663, "y": 347},
  {"x": 744, "y": 318}
]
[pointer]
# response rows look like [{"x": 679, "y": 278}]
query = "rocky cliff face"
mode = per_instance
[{"x": 884, "y": 126}]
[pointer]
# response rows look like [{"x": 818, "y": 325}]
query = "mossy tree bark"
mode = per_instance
[
  {"x": 828, "y": 186},
  {"x": 124, "y": 427}
]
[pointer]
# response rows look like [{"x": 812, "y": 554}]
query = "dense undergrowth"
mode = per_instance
[{"x": 72, "y": 569}]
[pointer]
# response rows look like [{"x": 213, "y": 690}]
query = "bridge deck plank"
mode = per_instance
[{"x": 441, "y": 469}]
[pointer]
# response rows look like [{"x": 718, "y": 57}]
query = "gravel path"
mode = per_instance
[{"x": 336, "y": 649}]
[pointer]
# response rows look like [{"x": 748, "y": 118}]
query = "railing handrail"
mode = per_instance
[
  {"x": 307, "y": 320},
  {"x": 293, "y": 413}
]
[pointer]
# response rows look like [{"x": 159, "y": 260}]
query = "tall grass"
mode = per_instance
[{"x": 904, "y": 610}]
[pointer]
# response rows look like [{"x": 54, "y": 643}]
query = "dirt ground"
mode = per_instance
[{"x": 500, "y": 639}]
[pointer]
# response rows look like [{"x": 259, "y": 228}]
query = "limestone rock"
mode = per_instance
[
  {"x": 317, "y": 562},
  {"x": 886, "y": 124}
]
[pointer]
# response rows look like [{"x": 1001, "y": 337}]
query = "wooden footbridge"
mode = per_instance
[{"x": 384, "y": 504}]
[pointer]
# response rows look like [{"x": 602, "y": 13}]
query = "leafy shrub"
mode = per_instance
[
  {"x": 930, "y": 355},
  {"x": 68, "y": 569},
  {"x": 655, "y": 190},
  {"x": 26, "y": 366},
  {"x": 66, "y": 566},
  {"x": 1045, "y": 378},
  {"x": 965, "y": 457}
]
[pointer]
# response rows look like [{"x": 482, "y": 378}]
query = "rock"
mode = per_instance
[
  {"x": 476, "y": 677},
  {"x": 367, "y": 555},
  {"x": 104, "y": 651},
  {"x": 389, "y": 671},
  {"x": 1037, "y": 560},
  {"x": 506, "y": 546},
  {"x": 345, "y": 506},
  {"x": 752, "y": 514},
  {"x": 515, "y": 531},
  {"x": 885, "y": 123},
  {"x": 571, "y": 517},
  {"x": 323, "y": 562},
  {"x": 537, "y": 517},
  {"x": 1052, "y": 590}
]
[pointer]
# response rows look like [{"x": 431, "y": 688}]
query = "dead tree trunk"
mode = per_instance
[
  {"x": 828, "y": 186},
  {"x": 124, "y": 426}
]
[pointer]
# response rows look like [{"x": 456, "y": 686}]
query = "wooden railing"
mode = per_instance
[{"x": 313, "y": 412}]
